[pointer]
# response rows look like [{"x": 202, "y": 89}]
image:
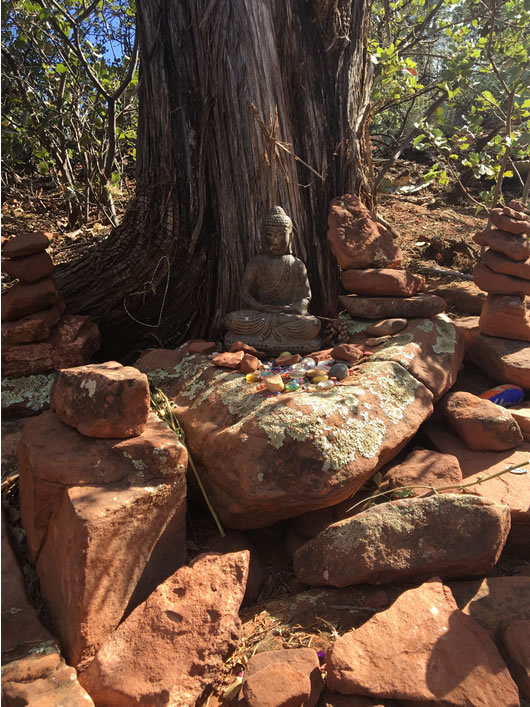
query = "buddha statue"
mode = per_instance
[{"x": 276, "y": 290}]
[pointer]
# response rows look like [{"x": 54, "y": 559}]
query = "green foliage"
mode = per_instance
[
  {"x": 454, "y": 76},
  {"x": 69, "y": 96}
]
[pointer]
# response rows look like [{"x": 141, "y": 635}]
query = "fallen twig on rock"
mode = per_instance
[
  {"x": 164, "y": 409},
  {"x": 432, "y": 490}
]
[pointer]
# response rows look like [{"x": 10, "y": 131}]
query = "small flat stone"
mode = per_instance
[
  {"x": 387, "y": 282},
  {"x": 463, "y": 297},
  {"x": 426, "y": 468},
  {"x": 501, "y": 264},
  {"x": 201, "y": 347},
  {"x": 290, "y": 360},
  {"x": 377, "y": 341},
  {"x": 519, "y": 226},
  {"x": 338, "y": 371},
  {"x": 29, "y": 268},
  {"x": 27, "y": 298},
  {"x": 32, "y": 328},
  {"x": 26, "y": 244},
  {"x": 228, "y": 359},
  {"x": 510, "y": 245},
  {"x": 386, "y": 327},
  {"x": 346, "y": 352},
  {"x": 499, "y": 283},
  {"x": 423, "y": 305},
  {"x": 247, "y": 348}
]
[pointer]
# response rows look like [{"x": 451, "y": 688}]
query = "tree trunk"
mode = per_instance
[{"x": 243, "y": 104}]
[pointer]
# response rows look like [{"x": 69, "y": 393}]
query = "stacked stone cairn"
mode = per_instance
[
  {"x": 369, "y": 258},
  {"x": 102, "y": 500},
  {"x": 37, "y": 335},
  {"x": 503, "y": 271}
]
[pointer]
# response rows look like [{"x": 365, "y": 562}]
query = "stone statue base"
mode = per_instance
[{"x": 272, "y": 347}]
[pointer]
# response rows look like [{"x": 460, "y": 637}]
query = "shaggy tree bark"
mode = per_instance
[{"x": 243, "y": 104}]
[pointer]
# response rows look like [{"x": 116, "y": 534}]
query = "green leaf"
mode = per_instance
[{"x": 61, "y": 69}]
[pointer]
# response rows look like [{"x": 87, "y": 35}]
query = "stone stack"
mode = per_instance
[
  {"x": 503, "y": 271},
  {"x": 102, "y": 502},
  {"x": 36, "y": 334},
  {"x": 366, "y": 253}
]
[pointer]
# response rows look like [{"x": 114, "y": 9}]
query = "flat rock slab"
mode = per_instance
[
  {"x": 387, "y": 282},
  {"x": 504, "y": 360},
  {"x": 432, "y": 350},
  {"x": 32, "y": 328},
  {"x": 104, "y": 521},
  {"x": 506, "y": 317},
  {"x": 465, "y": 297},
  {"x": 425, "y": 468},
  {"x": 408, "y": 540},
  {"x": 270, "y": 458},
  {"x": 512, "y": 490},
  {"x": 424, "y": 305},
  {"x": 174, "y": 644},
  {"x": 422, "y": 650},
  {"x": 26, "y": 244}
]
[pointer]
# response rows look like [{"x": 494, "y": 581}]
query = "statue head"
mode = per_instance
[{"x": 277, "y": 231}]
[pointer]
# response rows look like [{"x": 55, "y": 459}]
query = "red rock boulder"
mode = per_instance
[
  {"x": 356, "y": 239},
  {"x": 500, "y": 263},
  {"x": 498, "y": 283},
  {"x": 454, "y": 660},
  {"x": 174, "y": 644},
  {"x": 427, "y": 469},
  {"x": 32, "y": 328},
  {"x": 105, "y": 400},
  {"x": 481, "y": 424},
  {"x": 411, "y": 539},
  {"x": 512, "y": 246}
]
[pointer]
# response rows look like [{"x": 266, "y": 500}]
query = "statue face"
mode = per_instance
[{"x": 278, "y": 239}]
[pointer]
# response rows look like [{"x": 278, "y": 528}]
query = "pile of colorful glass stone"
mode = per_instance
[{"x": 306, "y": 374}]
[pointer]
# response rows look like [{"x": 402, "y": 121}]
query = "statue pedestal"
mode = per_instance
[{"x": 273, "y": 347}]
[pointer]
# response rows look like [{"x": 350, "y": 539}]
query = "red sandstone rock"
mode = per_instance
[
  {"x": 333, "y": 699},
  {"x": 423, "y": 305},
  {"x": 411, "y": 539},
  {"x": 512, "y": 490},
  {"x": 104, "y": 521},
  {"x": 23, "y": 299},
  {"x": 29, "y": 268},
  {"x": 32, "y": 328},
  {"x": 516, "y": 640},
  {"x": 241, "y": 346},
  {"x": 494, "y": 602},
  {"x": 249, "y": 364},
  {"x": 516, "y": 209},
  {"x": 72, "y": 343},
  {"x": 501, "y": 264},
  {"x": 174, "y": 644},
  {"x": 503, "y": 360},
  {"x": 288, "y": 360},
  {"x": 276, "y": 685},
  {"x": 498, "y": 283},
  {"x": 356, "y": 239},
  {"x": 270, "y": 458},
  {"x": 42, "y": 680},
  {"x": 346, "y": 352},
  {"x": 104, "y": 400},
  {"x": 323, "y": 355},
  {"x": 426, "y": 468},
  {"x": 382, "y": 282},
  {"x": 228, "y": 359},
  {"x": 513, "y": 247},
  {"x": 454, "y": 660},
  {"x": 463, "y": 297},
  {"x": 201, "y": 347},
  {"x": 504, "y": 221},
  {"x": 506, "y": 316},
  {"x": 26, "y": 244},
  {"x": 481, "y": 424},
  {"x": 310, "y": 524},
  {"x": 267, "y": 669},
  {"x": 234, "y": 541}
]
